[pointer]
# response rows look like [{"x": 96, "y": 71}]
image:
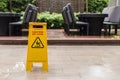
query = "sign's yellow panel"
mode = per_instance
[{"x": 37, "y": 46}]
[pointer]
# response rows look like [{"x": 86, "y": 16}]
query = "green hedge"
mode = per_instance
[
  {"x": 53, "y": 20},
  {"x": 96, "y": 5},
  {"x": 17, "y": 5},
  {"x": 4, "y": 6}
]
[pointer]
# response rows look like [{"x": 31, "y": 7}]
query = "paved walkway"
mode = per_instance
[
  {"x": 72, "y": 62},
  {"x": 58, "y": 37}
]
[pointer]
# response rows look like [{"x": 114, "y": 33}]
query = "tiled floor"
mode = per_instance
[{"x": 73, "y": 62}]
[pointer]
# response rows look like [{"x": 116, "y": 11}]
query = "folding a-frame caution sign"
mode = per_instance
[{"x": 37, "y": 46}]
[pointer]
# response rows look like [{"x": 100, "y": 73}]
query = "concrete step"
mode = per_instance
[
  {"x": 57, "y": 37},
  {"x": 63, "y": 41}
]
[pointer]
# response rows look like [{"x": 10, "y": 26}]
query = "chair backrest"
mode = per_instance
[
  {"x": 106, "y": 11},
  {"x": 65, "y": 17},
  {"x": 109, "y": 11},
  {"x": 115, "y": 15},
  {"x": 34, "y": 15},
  {"x": 71, "y": 12},
  {"x": 30, "y": 14},
  {"x": 70, "y": 20},
  {"x": 66, "y": 20}
]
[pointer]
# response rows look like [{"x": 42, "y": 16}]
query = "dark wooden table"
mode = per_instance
[
  {"x": 5, "y": 19},
  {"x": 95, "y": 21}
]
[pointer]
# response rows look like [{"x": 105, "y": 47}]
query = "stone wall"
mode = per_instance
[{"x": 57, "y": 5}]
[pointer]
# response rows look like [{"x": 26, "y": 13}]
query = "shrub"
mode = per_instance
[
  {"x": 53, "y": 20},
  {"x": 97, "y": 5},
  {"x": 3, "y": 6},
  {"x": 17, "y": 5}
]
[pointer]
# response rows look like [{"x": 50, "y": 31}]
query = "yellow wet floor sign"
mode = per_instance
[{"x": 37, "y": 46}]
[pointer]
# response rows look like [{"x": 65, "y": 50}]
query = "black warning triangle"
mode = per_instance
[{"x": 37, "y": 43}]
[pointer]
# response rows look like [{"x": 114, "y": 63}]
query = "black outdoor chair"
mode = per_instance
[
  {"x": 82, "y": 26},
  {"x": 112, "y": 19},
  {"x": 29, "y": 16}
]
